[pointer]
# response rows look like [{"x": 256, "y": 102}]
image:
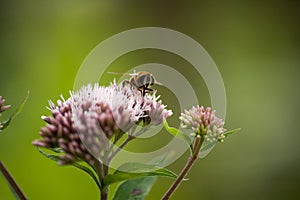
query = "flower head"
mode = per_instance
[
  {"x": 100, "y": 113},
  {"x": 155, "y": 110},
  {"x": 83, "y": 125},
  {"x": 60, "y": 132},
  {"x": 3, "y": 108},
  {"x": 203, "y": 122}
]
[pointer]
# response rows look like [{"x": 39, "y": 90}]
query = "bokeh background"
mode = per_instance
[{"x": 255, "y": 45}]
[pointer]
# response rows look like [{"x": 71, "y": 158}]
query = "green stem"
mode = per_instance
[
  {"x": 197, "y": 145},
  {"x": 128, "y": 139},
  {"x": 100, "y": 173},
  {"x": 105, "y": 168},
  {"x": 104, "y": 194},
  {"x": 108, "y": 159},
  {"x": 104, "y": 191},
  {"x": 12, "y": 182}
]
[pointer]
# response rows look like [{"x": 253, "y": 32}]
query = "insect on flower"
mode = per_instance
[{"x": 142, "y": 81}]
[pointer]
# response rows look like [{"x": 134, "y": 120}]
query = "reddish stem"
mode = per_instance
[
  {"x": 12, "y": 182},
  {"x": 197, "y": 145}
]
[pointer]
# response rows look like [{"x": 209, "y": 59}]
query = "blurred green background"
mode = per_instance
[{"x": 255, "y": 44}]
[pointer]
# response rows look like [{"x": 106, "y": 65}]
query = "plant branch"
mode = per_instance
[
  {"x": 197, "y": 145},
  {"x": 128, "y": 139},
  {"x": 12, "y": 182},
  {"x": 104, "y": 194},
  {"x": 108, "y": 159},
  {"x": 100, "y": 173}
]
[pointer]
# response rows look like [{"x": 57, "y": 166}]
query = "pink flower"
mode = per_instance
[
  {"x": 83, "y": 125},
  {"x": 3, "y": 108},
  {"x": 203, "y": 122},
  {"x": 155, "y": 110}
]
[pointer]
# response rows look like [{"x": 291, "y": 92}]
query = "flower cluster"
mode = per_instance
[
  {"x": 204, "y": 123},
  {"x": 155, "y": 111},
  {"x": 3, "y": 108},
  {"x": 84, "y": 124},
  {"x": 60, "y": 132}
]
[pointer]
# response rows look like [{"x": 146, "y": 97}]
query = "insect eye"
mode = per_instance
[{"x": 141, "y": 79}]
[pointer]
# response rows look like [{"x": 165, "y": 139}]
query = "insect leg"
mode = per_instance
[{"x": 125, "y": 82}]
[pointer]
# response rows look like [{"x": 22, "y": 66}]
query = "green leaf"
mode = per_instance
[
  {"x": 136, "y": 189},
  {"x": 177, "y": 133},
  {"x": 231, "y": 132},
  {"x": 17, "y": 111},
  {"x": 87, "y": 170},
  {"x": 57, "y": 150},
  {"x": 135, "y": 170},
  {"x": 53, "y": 157}
]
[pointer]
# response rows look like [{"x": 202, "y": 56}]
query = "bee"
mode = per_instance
[{"x": 142, "y": 81}]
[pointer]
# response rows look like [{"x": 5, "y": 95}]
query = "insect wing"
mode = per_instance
[{"x": 121, "y": 73}]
